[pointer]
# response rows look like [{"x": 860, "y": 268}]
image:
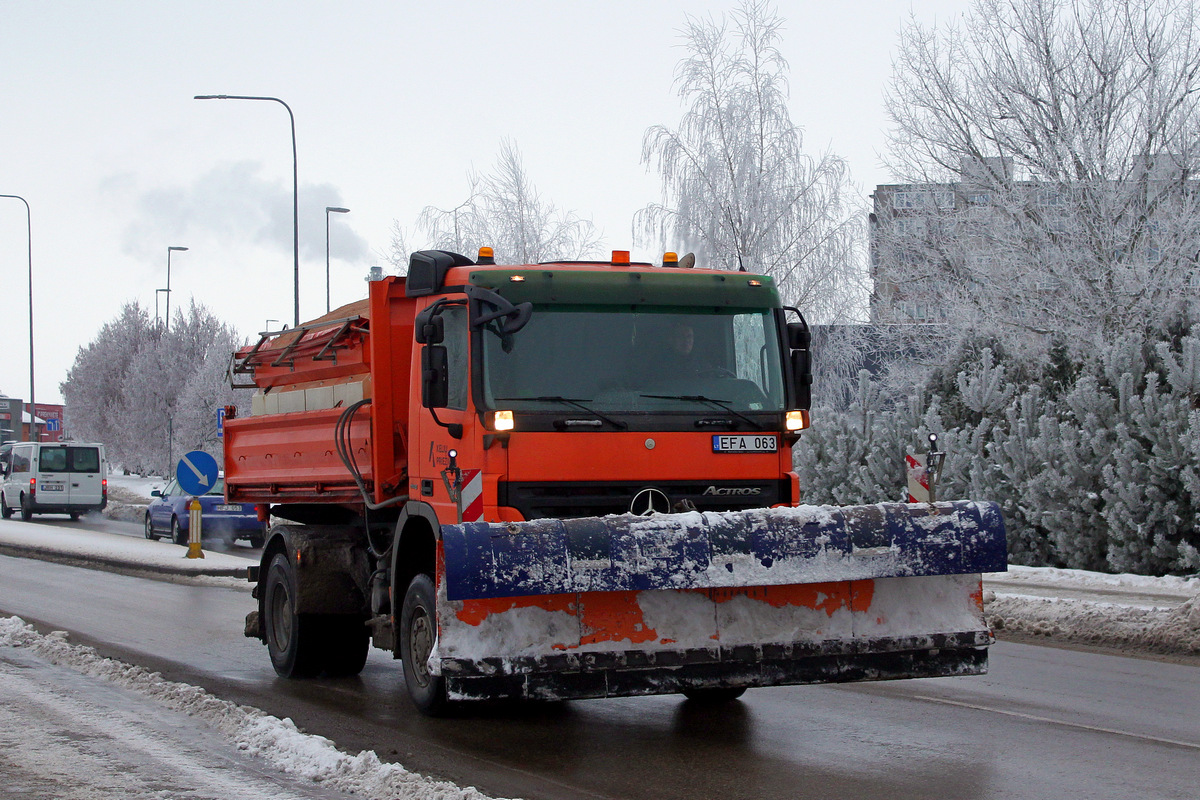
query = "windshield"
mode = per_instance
[{"x": 617, "y": 359}]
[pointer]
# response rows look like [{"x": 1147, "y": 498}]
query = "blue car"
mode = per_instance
[{"x": 167, "y": 515}]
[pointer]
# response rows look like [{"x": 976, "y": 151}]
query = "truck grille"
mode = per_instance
[{"x": 543, "y": 500}]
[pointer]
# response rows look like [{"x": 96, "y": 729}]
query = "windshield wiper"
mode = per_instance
[
  {"x": 571, "y": 401},
  {"x": 699, "y": 398}
]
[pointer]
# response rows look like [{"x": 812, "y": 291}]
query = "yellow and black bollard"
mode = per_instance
[{"x": 194, "y": 550}]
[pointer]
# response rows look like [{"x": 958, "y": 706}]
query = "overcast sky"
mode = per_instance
[{"x": 394, "y": 102}]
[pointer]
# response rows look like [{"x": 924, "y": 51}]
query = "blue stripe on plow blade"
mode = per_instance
[{"x": 706, "y": 550}]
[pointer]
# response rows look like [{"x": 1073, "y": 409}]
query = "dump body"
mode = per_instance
[{"x": 591, "y": 465}]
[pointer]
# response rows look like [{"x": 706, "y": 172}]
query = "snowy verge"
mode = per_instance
[
  {"x": 277, "y": 741},
  {"x": 1167, "y": 631},
  {"x": 72, "y": 545}
]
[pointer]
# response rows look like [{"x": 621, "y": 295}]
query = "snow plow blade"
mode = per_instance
[
  {"x": 706, "y": 550},
  {"x": 623, "y": 605}
]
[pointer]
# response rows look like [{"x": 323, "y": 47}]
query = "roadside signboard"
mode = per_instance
[{"x": 196, "y": 472}]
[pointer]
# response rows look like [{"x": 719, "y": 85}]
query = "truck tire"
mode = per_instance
[
  {"x": 5, "y": 511},
  {"x": 714, "y": 697},
  {"x": 345, "y": 643},
  {"x": 26, "y": 508},
  {"x": 418, "y": 631},
  {"x": 292, "y": 639}
]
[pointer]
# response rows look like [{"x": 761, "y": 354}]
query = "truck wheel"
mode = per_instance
[
  {"x": 26, "y": 508},
  {"x": 292, "y": 638},
  {"x": 5, "y": 511},
  {"x": 345, "y": 643},
  {"x": 418, "y": 631},
  {"x": 714, "y": 697},
  {"x": 178, "y": 535}
]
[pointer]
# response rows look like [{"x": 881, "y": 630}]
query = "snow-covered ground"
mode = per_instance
[
  {"x": 77, "y": 726},
  {"x": 1125, "y": 612}
]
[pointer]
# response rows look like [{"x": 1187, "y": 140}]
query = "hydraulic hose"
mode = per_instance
[{"x": 345, "y": 451}]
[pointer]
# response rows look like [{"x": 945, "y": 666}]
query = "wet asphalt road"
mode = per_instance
[{"x": 1046, "y": 723}]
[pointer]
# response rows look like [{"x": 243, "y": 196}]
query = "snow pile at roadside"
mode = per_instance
[
  {"x": 1127, "y": 612},
  {"x": 128, "y": 495},
  {"x": 276, "y": 741}
]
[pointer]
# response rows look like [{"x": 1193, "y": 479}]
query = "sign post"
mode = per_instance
[
  {"x": 194, "y": 523},
  {"x": 197, "y": 473}
]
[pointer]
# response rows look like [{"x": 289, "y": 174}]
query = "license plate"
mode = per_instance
[
  {"x": 227, "y": 508},
  {"x": 744, "y": 444},
  {"x": 51, "y": 487}
]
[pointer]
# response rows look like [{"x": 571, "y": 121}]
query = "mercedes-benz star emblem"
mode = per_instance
[{"x": 650, "y": 501}]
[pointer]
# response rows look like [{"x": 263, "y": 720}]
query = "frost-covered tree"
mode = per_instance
[
  {"x": 95, "y": 385},
  {"x": 206, "y": 390},
  {"x": 1054, "y": 145},
  {"x": 505, "y": 211},
  {"x": 738, "y": 187},
  {"x": 147, "y": 392}
]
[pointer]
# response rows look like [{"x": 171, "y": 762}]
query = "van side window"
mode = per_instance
[
  {"x": 20, "y": 458},
  {"x": 53, "y": 459}
]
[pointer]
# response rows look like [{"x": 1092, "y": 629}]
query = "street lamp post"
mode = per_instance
[
  {"x": 29, "y": 237},
  {"x": 157, "y": 292},
  {"x": 295, "y": 186},
  {"x": 335, "y": 210},
  {"x": 168, "y": 289}
]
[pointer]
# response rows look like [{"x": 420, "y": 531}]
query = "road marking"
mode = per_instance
[{"x": 1077, "y": 725}]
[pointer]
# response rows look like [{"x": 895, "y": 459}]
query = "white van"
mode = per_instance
[{"x": 52, "y": 478}]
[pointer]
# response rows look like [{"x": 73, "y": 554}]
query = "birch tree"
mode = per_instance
[
  {"x": 738, "y": 188},
  {"x": 505, "y": 211},
  {"x": 1058, "y": 143}
]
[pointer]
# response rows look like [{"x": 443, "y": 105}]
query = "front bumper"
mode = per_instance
[{"x": 570, "y": 676}]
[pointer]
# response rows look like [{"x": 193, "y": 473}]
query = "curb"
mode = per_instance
[{"x": 119, "y": 565}]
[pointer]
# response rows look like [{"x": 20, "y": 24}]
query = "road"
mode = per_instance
[
  {"x": 1045, "y": 723},
  {"x": 102, "y": 524}
]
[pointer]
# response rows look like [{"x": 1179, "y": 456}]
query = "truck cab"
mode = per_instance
[{"x": 605, "y": 389}]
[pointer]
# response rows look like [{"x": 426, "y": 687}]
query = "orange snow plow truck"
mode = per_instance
[{"x": 574, "y": 480}]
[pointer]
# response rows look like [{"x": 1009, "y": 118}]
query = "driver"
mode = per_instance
[{"x": 682, "y": 339}]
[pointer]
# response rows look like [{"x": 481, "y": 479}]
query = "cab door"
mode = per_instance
[{"x": 447, "y": 426}]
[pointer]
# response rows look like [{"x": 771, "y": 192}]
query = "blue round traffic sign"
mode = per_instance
[{"x": 196, "y": 472}]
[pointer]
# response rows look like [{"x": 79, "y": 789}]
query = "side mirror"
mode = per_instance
[
  {"x": 435, "y": 376},
  {"x": 798, "y": 336},
  {"x": 802, "y": 376},
  {"x": 430, "y": 326},
  {"x": 156, "y": 493}
]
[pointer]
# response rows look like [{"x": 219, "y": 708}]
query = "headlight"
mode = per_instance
[{"x": 503, "y": 421}]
